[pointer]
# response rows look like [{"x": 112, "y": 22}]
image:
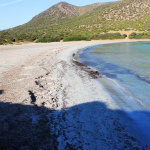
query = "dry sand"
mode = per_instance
[{"x": 47, "y": 101}]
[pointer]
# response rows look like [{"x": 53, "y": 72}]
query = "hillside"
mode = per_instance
[
  {"x": 124, "y": 14},
  {"x": 55, "y": 15},
  {"x": 65, "y": 20},
  {"x": 61, "y": 13}
]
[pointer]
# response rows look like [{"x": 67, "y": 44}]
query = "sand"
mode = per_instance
[{"x": 47, "y": 101}]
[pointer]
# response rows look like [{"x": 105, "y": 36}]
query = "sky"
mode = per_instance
[{"x": 17, "y": 12}]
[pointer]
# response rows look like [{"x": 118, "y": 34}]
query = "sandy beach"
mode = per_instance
[{"x": 47, "y": 101}]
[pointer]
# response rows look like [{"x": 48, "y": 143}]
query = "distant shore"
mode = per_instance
[
  {"x": 43, "y": 75},
  {"x": 115, "y": 40}
]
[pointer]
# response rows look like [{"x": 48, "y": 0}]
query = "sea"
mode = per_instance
[
  {"x": 125, "y": 71},
  {"x": 125, "y": 74}
]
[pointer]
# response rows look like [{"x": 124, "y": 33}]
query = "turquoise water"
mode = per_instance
[{"x": 128, "y": 64}]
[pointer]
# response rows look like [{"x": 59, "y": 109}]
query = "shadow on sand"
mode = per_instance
[
  {"x": 1, "y": 91},
  {"x": 85, "y": 126}
]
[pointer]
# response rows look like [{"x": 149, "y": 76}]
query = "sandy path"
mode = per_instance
[{"x": 42, "y": 78}]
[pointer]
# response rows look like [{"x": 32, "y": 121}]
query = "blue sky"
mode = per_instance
[{"x": 17, "y": 12}]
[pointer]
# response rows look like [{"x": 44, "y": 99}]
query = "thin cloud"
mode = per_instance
[
  {"x": 5, "y": 27},
  {"x": 10, "y": 3}
]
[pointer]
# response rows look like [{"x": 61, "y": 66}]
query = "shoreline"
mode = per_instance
[
  {"x": 48, "y": 79},
  {"x": 125, "y": 102},
  {"x": 107, "y": 40},
  {"x": 93, "y": 72}
]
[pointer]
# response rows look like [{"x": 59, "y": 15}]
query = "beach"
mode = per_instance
[{"x": 47, "y": 100}]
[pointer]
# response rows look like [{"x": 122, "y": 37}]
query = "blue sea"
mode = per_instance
[{"x": 125, "y": 68}]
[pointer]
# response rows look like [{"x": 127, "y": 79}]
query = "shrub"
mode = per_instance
[
  {"x": 132, "y": 35},
  {"x": 31, "y": 39},
  {"x": 127, "y": 29},
  {"x": 88, "y": 39},
  {"x": 10, "y": 43},
  {"x": 10, "y": 39},
  {"x": 124, "y": 35},
  {"x": 46, "y": 40},
  {"x": 144, "y": 35},
  {"x": 1, "y": 43},
  {"x": 76, "y": 38},
  {"x": 109, "y": 36}
]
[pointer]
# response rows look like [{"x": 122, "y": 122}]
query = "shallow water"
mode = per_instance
[
  {"x": 125, "y": 72},
  {"x": 126, "y": 65}
]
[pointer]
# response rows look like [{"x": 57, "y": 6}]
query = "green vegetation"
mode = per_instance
[
  {"x": 109, "y": 36},
  {"x": 77, "y": 38},
  {"x": 144, "y": 35},
  {"x": 45, "y": 40},
  {"x": 105, "y": 36},
  {"x": 127, "y": 29}
]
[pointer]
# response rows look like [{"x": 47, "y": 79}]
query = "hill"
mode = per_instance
[
  {"x": 124, "y": 14},
  {"x": 61, "y": 13},
  {"x": 64, "y": 20}
]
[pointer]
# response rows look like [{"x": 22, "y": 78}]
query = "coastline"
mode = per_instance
[
  {"x": 123, "y": 99},
  {"x": 84, "y": 110}
]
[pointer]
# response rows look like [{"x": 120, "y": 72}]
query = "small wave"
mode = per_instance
[{"x": 128, "y": 78}]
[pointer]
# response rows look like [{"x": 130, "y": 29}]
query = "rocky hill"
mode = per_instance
[
  {"x": 56, "y": 14},
  {"x": 63, "y": 12}
]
